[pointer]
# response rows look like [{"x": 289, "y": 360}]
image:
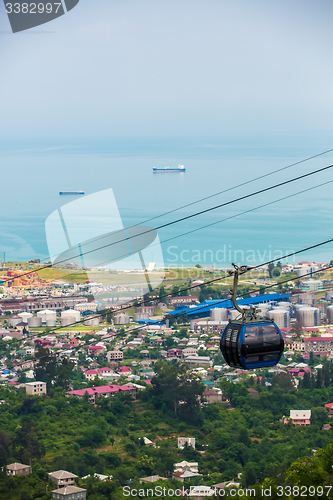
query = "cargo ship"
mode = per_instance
[
  {"x": 71, "y": 192},
  {"x": 180, "y": 168}
]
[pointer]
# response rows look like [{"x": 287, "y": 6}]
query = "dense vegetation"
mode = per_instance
[{"x": 56, "y": 432}]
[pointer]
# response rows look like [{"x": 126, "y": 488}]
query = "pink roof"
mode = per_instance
[
  {"x": 105, "y": 389},
  {"x": 124, "y": 369},
  {"x": 91, "y": 372},
  {"x": 329, "y": 405},
  {"x": 148, "y": 381},
  {"x": 105, "y": 369},
  {"x": 95, "y": 347},
  {"x": 319, "y": 339}
]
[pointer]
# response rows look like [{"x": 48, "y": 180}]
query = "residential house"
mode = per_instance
[
  {"x": 190, "y": 351},
  {"x": 183, "y": 299},
  {"x": 318, "y": 344},
  {"x": 106, "y": 371},
  {"x": 106, "y": 391},
  {"x": 152, "y": 479},
  {"x": 90, "y": 374},
  {"x": 26, "y": 365},
  {"x": 35, "y": 388},
  {"x": 183, "y": 440},
  {"x": 294, "y": 344},
  {"x": 226, "y": 484},
  {"x": 210, "y": 327},
  {"x": 63, "y": 478},
  {"x": 70, "y": 493},
  {"x": 175, "y": 353},
  {"x": 201, "y": 492},
  {"x": 149, "y": 443},
  {"x": 182, "y": 475},
  {"x": 299, "y": 417},
  {"x": 17, "y": 469},
  {"x": 253, "y": 393},
  {"x": 198, "y": 361},
  {"x": 74, "y": 342},
  {"x": 124, "y": 370},
  {"x": 329, "y": 408},
  {"x": 213, "y": 395},
  {"x": 186, "y": 466},
  {"x": 96, "y": 350}
]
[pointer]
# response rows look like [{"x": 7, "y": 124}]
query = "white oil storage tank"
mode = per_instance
[
  {"x": 25, "y": 316},
  {"x": 280, "y": 316},
  {"x": 139, "y": 316},
  {"x": 46, "y": 314},
  {"x": 233, "y": 314},
  {"x": 284, "y": 305},
  {"x": 14, "y": 320},
  {"x": 71, "y": 313},
  {"x": 34, "y": 322},
  {"x": 219, "y": 314},
  {"x": 329, "y": 314},
  {"x": 308, "y": 316},
  {"x": 68, "y": 321},
  {"x": 92, "y": 321},
  {"x": 121, "y": 318},
  {"x": 51, "y": 322}
]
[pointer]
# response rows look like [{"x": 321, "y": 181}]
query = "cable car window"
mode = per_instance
[
  {"x": 262, "y": 343},
  {"x": 230, "y": 346}
]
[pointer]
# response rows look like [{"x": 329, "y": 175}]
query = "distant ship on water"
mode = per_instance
[
  {"x": 71, "y": 192},
  {"x": 180, "y": 168}
]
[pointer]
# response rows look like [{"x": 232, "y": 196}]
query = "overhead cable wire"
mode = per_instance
[
  {"x": 213, "y": 280},
  {"x": 158, "y": 322}
]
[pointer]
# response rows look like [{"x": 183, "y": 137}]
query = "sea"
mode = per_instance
[{"x": 249, "y": 229}]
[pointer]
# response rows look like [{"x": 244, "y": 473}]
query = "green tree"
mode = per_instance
[
  {"x": 4, "y": 448},
  {"x": 306, "y": 472},
  {"x": 146, "y": 464},
  {"x": 270, "y": 269},
  {"x": 296, "y": 329},
  {"x": 250, "y": 475},
  {"x": 283, "y": 380}
]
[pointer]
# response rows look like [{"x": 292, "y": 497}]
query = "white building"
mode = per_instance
[
  {"x": 35, "y": 388},
  {"x": 183, "y": 440}
]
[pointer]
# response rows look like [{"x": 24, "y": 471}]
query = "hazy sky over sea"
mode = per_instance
[
  {"x": 153, "y": 68},
  {"x": 230, "y": 88}
]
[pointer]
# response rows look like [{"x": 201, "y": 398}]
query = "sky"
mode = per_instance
[
  {"x": 231, "y": 88},
  {"x": 175, "y": 68}
]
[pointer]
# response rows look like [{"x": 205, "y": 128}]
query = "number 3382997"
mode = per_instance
[{"x": 32, "y": 8}]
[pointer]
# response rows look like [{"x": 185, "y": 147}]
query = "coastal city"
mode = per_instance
[
  {"x": 58, "y": 335},
  {"x": 166, "y": 255}
]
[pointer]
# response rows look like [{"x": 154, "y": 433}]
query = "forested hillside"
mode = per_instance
[{"x": 244, "y": 437}]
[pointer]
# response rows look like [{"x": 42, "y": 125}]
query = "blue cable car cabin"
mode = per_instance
[
  {"x": 250, "y": 342},
  {"x": 256, "y": 344}
]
